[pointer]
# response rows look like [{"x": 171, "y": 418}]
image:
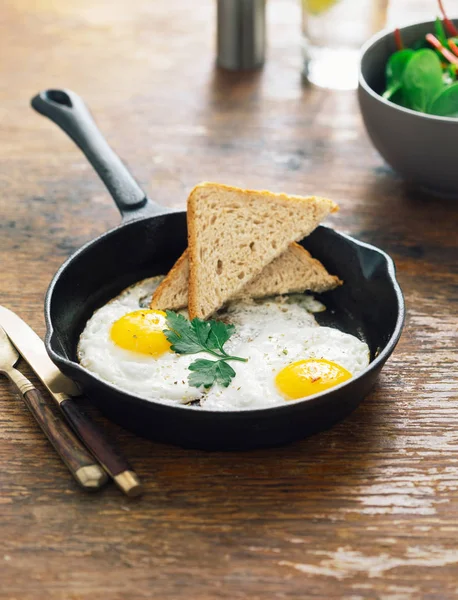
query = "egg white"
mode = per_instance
[{"x": 270, "y": 333}]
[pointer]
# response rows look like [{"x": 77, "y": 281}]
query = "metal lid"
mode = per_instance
[{"x": 241, "y": 34}]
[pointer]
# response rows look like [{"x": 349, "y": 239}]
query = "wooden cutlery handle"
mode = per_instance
[
  {"x": 102, "y": 448},
  {"x": 79, "y": 461}
]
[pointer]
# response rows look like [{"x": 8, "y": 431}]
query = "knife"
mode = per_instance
[
  {"x": 62, "y": 389},
  {"x": 81, "y": 464}
]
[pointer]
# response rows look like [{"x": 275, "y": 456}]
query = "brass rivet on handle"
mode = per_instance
[
  {"x": 129, "y": 483},
  {"x": 91, "y": 477}
]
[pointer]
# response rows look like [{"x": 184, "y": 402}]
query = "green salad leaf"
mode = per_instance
[
  {"x": 446, "y": 103},
  {"x": 395, "y": 70},
  {"x": 424, "y": 77},
  {"x": 422, "y": 80}
]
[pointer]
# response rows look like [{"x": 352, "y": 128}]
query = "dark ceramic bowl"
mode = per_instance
[{"x": 420, "y": 147}]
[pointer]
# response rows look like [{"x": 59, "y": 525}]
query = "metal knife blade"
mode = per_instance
[{"x": 33, "y": 350}]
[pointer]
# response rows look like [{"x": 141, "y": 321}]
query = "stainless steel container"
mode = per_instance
[{"x": 241, "y": 34}]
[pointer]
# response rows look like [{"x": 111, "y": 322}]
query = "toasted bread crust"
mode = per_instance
[
  {"x": 163, "y": 296},
  {"x": 294, "y": 271},
  {"x": 192, "y": 235},
  {"x": 203, "y": 302}
]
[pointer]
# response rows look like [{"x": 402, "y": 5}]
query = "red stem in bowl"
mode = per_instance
[
  {"x": 447, "y": 23},
  {"x": 453, "y": 47},
  {"x": 445, "y": 53},
  {"x": 398, "y": 39}
]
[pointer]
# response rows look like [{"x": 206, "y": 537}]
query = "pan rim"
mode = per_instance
[{"x": 376, "y": 364}]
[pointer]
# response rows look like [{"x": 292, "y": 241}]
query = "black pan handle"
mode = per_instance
[{"x": 69, "y": 112}]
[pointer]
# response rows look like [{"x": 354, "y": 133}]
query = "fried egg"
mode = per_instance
[{"x": 289, "y": 356}]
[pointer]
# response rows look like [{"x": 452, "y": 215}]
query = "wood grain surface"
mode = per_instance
[{"x": 366, "y": 510}]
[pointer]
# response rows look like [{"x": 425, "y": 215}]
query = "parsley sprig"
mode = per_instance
[{"x": 192, "y": 337}]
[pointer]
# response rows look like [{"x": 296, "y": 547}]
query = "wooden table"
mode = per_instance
[{"x": 366, "y": 510}]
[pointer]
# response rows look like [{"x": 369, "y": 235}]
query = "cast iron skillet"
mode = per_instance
[{"x": 147, "y": 243}]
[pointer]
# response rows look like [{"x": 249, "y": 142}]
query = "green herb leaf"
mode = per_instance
[
  {"x": 422, "y": 80},
  {"x": 219, "y": 334},
  {"x": 181, "y": 334},
  {"x": 207, "y": 372},
  {"x": 446, "y": 103},
  {"x": 394, "y": 71},
  {"x": 202, "y": 330},
  {"x": 192, "y": 337}
]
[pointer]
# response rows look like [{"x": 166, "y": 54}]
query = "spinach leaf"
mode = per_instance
[
  {"x": 446, "y": 103},
  {"x": 422, "y": 80},
  {"x": 394, "y": 70},
  {"x": 449, "y": 74},
  {"x": 398, "y": 98}
]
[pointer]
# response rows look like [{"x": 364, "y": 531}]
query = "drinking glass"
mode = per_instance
[{"x": 332, "y": 34}]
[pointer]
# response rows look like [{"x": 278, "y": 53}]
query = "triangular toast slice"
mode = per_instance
[
  {"x": 172, "y": 292},
  {"x": 234, "y": 233},
  {"x": 294, "y": 271}
]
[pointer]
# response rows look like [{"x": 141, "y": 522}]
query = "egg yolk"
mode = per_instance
[
  {"x": 141, "y": 331},
  {"x": 311, "y": 376}
]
